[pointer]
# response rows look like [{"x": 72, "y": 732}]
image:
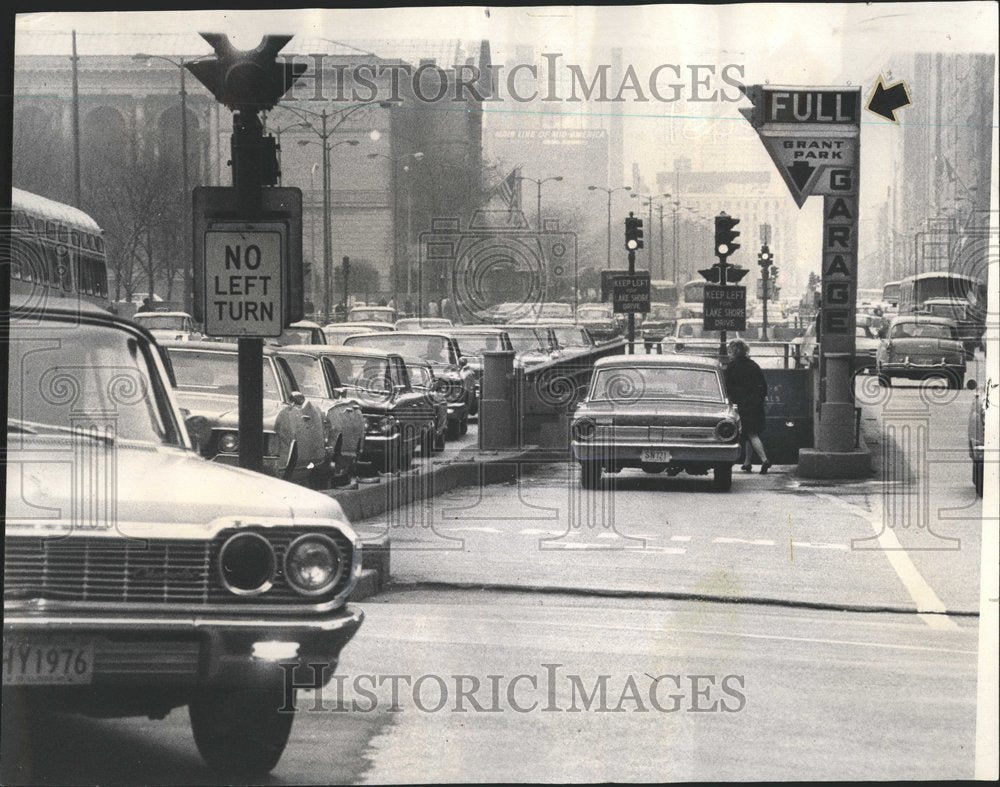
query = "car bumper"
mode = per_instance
[
  {"x": 631, "y": 452},
  {"x": 906, "y": 368},
  {"x": 377, "y": 447},
  {"x": 271, "y": 464},
  {"x": 187, "y": 649}
]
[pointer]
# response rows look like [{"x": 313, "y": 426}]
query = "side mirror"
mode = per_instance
[{"x": 298, "y": 398}]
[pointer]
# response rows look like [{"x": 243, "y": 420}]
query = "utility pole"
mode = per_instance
[{"x": 77, "y": 196}]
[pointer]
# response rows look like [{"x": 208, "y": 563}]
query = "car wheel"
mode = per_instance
[
  {"x": 884, "y": 380},
  {"x": 956, "y": 381},
  {"x": 590, "y": 474},
  {"x": 454, "y": 429},
  {"x": 439, "y": 441},
  {"x": 241, "y": 731},
  {"x": 722, "y": 478},
  {"x": 463, "y": 427},
  {"x": 977, "y": 476}
]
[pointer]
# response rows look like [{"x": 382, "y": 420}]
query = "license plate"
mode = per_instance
[
  {"x": 40, "y": 661},
  {"x": 661, "y": 457}
]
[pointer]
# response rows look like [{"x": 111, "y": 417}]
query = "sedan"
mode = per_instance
[
  {"x": 660, "y": 413},
  {"x": 207, "y": 378},
  {"x": 422, "y": 323},
  {"x": 343, "y": 422},
  {"x": 919, "y": 347},
  {"x": 425, "y": 381}
]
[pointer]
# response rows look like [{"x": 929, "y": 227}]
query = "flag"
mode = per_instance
[{"x": 509, "y": 190}]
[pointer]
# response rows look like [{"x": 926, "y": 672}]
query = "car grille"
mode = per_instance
[
  {"x": 143, "y": 571},
  {"x": 657, "y": 434}
]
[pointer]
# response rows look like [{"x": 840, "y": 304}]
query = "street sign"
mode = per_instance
[
  {"x": 813, "y": 165},
  {"x": 243, "y": 277},
  {"x": 795, "y": 106},
  {"x": 630, "y": 292},
  {"x": 725, "y": 308},
  {"x": 248, "y": 268},
  {"x": 608, "y": 283}
]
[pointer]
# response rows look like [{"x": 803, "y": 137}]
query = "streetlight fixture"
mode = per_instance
[
  {"x": 609, "y": 192},
  {"x": 538, "y": 184},
  {"x": 395, "y": 161}
]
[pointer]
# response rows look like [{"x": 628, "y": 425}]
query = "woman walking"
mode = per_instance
[{"x": 748, "y": 391}]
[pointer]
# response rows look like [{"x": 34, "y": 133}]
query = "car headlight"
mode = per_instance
[
  {"x": 380, "y": 424},
  {"x": 229, "y": 442},
  {"x": 313, "y": 564},
  {"x": 726, "y": 430},
  {"x": 584, "y": 429},
  {"x": 247, "y": 564}
]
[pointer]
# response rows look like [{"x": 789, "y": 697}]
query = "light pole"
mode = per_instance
[
  {"x": 327, "y": 217},
  {"x": 278, "y": 131},
  {"x": 650, "y": 199},
  {"x": 609, "y": 192},
  {"x": 185, "y": 190},
  {"x": 395, "y": 161},
  {"x": 324, "y": 133},
  {"x": 538, "y": 184}
]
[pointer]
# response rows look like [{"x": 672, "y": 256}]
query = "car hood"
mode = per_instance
[
  {"x": 223, "y": 410},
  {"x": 662, "y": 413},
  {"x": 158, "y": 490}
]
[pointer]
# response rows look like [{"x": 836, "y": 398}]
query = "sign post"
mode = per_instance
[{"x": 813, "y": 137}]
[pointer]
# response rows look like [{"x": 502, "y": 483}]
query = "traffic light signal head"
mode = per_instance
[
  {"x": 250, "y": 80},
  {"x": 765, "y": 259},
  {"x": 633, "y": 232},
  {"x": 711, "y": 274},
  {"x": 725, "y": 235}
]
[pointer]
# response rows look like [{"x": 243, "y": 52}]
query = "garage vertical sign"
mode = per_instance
[{"x": 813, "y": 138}]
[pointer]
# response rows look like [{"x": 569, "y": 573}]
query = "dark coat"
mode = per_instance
[{"x": 748, "y": 391}]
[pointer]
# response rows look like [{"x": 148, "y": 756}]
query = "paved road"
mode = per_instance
[{"x": 811, "y": 694}]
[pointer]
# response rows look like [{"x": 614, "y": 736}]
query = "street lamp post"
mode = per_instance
[
  {"x": 538, "y": 192},
  {"x": 185, "y": 189},
  {"x": 609, "y": 192},
  {"x": 650, "y": 199},
  {"x": 394, "y": 161}
]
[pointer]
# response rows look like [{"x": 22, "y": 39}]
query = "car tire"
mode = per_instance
[
  {"x": 590, "y": 474},
  {"x": 454, "y": 430},
  {"x": 956, "y": 381},
  {"x": 439, "y": 442},
  {"x": 722, "y": 478},
  {"x": 977, "y": 476},
  {"x": 463, "y": 427},
  {"x": 240, "y": 731}
]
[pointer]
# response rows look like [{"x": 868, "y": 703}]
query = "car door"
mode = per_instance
[
  {"x": 304, "y": 421},
  {"x": 468, "y": 376},
  {"x": 408, "y": 404}
]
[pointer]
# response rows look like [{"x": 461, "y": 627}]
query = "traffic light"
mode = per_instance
[
  {"x": 765, "y": 259},
  {"x": 774, "y": 273},
  {"x": 734, "y": 273},
  {"x": 711, "y": 274},
  {"x": 725, "y": 235},
  {"x": 250, "y": 79},
  {"x": 633, "y": 232}
]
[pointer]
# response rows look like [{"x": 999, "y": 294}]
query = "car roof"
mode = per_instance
[
  {"x": 491, "y": 329},
  {"x": 372, "y": 308},
  {"x": 304, "y": 324},
  {"x": 341, "y": 349},
  {"x": 371, "y": 324},
  {"x": 26, "y": 306},
  {"x": 403, "y": 334},
  {"x": 666, "y": 359},
  {"x": 925, "y": 318},
  {"x": 142, "y": 315},
  {"x": 231, "y": 348}
]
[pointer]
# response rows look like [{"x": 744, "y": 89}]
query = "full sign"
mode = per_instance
[
  {"x": 725, "y": 308},
  {"x": 248, "y": 268},
  {"x": 630, "y": 292}
]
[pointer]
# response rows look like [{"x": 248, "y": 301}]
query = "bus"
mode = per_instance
[
  {"x": 915, "y": 291},
  {"x": 693, "y": 298},
  {"x": 56, "y": 250},
  {"x": 890, "y": 293},
  {"x": 663, "y": 291}
]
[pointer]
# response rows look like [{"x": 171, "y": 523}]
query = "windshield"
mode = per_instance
[
  {"x": 211, "y": 372},
  {"x": 163, "y": 322},
  {"x": 427, "y": 348},
  {"x": 308, "y": 375},
  {"x": 952, "y": 311},
  {"x": 691, "y": 330},
  {"x": 571, "y": 337},
  {"x": 927, "y": 330},
  {"x": 416, "y": 323},
  {"x": 594, "y": 313},
  {"x": 634, "y": 383},
  {"x": 377, "y": 315},
  {"x": 526, "y": 339},
  {"x": 478, "y": 343},
  {"x": 99, "y": 380},
  {"x": 364, "y": 374}
]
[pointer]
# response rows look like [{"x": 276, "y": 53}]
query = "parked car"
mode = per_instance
[
  {"x": 384, "y": 314},
  {"x": 397, "y": 420},
  {"x": 569, "y": 338},
  {"x": 207, "y": 385},
  {"x": 918, "y": 347},
  {"x": 450, "y": 367},
  {"x": 690, "y": 337},
  {"x": 422, "y": 323},
  {"x": 976, "y": 431},
  {"x": 600, "y": 321},
  {"x": 970, "y": 329},
  {"x": 866, "y": 346},
  {"x": 533, "y": 345},
  {"x": 425, "y": 381},
  {"x": 302, "y": 332},
  {"x": 660, "y": 413},
  {"x": 343, "y": 422},
  {"x": 658, "y": 323},
  {"x": 182, "y": 582},
  {"x": 178, "y": 326}
]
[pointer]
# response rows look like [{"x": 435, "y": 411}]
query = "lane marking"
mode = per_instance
[
  {"x": 922, "y": 594},
  {"x": 760, "y": 542},
  {"x": 680, "y": 538},
  {"x": 470, "y": 529},
  {"x": 810, "y": 545}
]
